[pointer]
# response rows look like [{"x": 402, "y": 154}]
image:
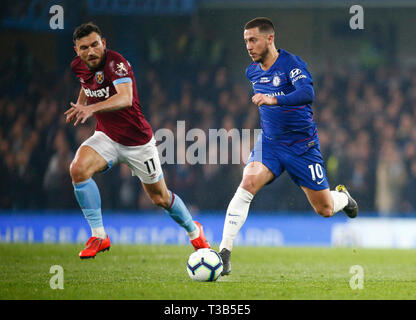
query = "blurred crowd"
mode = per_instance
[
  {"x": 366, "y": 127},
  {"x": 365, "y": 122}
]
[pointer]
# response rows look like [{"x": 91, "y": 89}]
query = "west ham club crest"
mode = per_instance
[{"x": 99, "y": 77}]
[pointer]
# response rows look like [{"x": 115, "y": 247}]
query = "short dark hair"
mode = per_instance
[
  {"x": 84, "y": 30},
  {"x": 264, "y": 24}
]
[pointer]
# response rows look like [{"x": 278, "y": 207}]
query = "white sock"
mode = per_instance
[
  {"x": 340, "y": 200},
  {"x": 99, "y": 232},
  {"x": 237, "y": 212},
  {"x": 194, "y": 234}
]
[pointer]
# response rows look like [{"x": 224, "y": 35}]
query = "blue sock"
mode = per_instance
[
  {"x": 180, "y": 213},
  {"x": 88, "y": 197}
]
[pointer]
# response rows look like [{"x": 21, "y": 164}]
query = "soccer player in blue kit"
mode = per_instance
[{"x": 283, "y": 92}]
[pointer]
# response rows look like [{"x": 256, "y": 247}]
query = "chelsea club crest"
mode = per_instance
[
  {"x": 99, "y": 77},
  {"x": 276, "y": 80}
]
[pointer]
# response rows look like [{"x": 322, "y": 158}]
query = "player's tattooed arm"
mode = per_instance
[
  {"x": 122, "y": 99},
  {"x": 260, "y": 99}
]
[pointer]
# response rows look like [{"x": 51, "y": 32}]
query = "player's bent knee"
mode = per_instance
[
  {"x": 78, "y": 172},
  {"x": 324, "y": 211},
  {"x": 249, "y": 185}
]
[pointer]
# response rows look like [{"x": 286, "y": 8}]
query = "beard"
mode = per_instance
[
  {"x": 262, "y": 56},
  {"x": 96, "y": 63}
]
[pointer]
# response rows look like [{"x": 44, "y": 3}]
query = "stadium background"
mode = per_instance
[{"x": 189, "y": 60}]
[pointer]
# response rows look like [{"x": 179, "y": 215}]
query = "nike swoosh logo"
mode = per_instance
[
  {"x": 233, "y": 215},
  {"x": 319, "y": 182},
  {"x": 253, "y": 83}
]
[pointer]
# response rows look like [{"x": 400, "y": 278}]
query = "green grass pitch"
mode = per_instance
[{"x": 159, "y": 273}]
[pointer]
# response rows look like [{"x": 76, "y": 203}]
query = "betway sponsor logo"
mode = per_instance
[{"x": 100, "y": 93}]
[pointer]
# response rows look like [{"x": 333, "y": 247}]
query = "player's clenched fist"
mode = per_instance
[{"x": 261, "y": 99}]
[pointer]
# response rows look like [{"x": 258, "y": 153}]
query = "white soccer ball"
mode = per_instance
[{"x": 204, "y": 265}]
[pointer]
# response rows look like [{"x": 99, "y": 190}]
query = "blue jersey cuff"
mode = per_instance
[{"x": 122, "y": 80}]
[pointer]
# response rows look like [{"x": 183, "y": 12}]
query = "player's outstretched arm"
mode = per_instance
[{"x": 122, "y": 99}]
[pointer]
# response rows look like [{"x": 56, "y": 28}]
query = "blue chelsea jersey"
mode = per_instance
[{"x": 291, "y": 125}]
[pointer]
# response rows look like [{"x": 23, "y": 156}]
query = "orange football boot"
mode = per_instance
[
  {"x": 93, "y": 246},
  {"x": 201, "y": 241}
]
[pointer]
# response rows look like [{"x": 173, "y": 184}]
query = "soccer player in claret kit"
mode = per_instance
[
  {"x": 283, "y": 91},
  {"x": 122, "y": 134}
]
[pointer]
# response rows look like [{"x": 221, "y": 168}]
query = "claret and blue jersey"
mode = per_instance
[{"x": 289, "y": 138}]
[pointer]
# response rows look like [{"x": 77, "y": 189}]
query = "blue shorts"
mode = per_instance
[{"x": 306, "y": 169}]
